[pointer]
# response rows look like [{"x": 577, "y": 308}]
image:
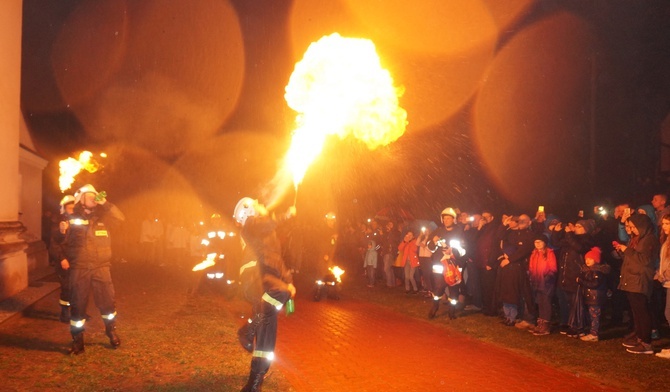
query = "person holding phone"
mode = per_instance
[
  {"x": 573, "y": 241},
  {"x": 637, "y": 272}
]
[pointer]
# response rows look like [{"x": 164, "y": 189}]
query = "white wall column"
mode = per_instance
[{"x": 13, "y": 263}]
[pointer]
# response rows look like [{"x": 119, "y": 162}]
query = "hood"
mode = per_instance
[
  {"x": 650, "y": 211},
  {"x": 643, "y": 224}
]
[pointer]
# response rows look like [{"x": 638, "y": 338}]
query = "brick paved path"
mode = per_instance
[{"x": 358, "y": 346}]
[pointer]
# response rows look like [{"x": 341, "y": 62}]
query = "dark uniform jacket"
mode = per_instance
[
  {"x": 87, "y": 241},
  {"x": 260, "y": 236}
]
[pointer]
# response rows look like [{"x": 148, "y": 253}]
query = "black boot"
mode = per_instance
[
  {"x": 433, "y": 310},
  {"x": 259, "y": 366},
  {"x": 247, "y": 333},
  {"x": 110, "y": 331},
  {"x": 65, "y": 314},
  {"x": 77, "y": 343}
]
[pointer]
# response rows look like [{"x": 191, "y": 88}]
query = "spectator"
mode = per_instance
[
  {"x": 410, "y": 260},
  {"x": 485, "y": 253},
  {"x": 661, "y": 209},
  {"x": 370, "y": 262},
  {"x": 656, "y": 304},
  {"x": 573, "y": 242},
  {"x": 425, "y": 263},
  {"x": 389, "y": 251},
  {"x": 513, "y": 284},
  {"x": 177, "y": 242},
  {"x": 637, "y": 272},
  {"x": 151, "y": 236},
  {"x": 663, "y": 274},
  {"x": 543, "y": 282},
  {"x": 592, "y": 279}
]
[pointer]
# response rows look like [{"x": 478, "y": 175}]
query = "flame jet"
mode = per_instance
[
  {"x": 338, "y": 88},
  {"x": 70, "y": 167}
]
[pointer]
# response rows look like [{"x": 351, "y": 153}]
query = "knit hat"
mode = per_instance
[
  {"x": 541, "y": 237},
  {"x": 587, "y": 224},
  {"x": 594, "y": 254}
]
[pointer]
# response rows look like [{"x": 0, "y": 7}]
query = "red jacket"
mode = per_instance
[{"x": 409, "y": 252}]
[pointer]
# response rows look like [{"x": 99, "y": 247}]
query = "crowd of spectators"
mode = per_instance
[{"x": 545, "y": 274}]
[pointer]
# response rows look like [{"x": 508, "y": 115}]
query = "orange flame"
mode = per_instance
[
  {"x": 208, "y": 262},
  {"x": 70, "y": 167},
  {"x": 337, "y": 272},
  {"x": 340, "y": 88}
]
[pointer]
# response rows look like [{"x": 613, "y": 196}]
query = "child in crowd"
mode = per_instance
[
  {"x": 370, "y": 262},
  {"x": 593, "y": 280},
  {"x": 542, "y": 270}
]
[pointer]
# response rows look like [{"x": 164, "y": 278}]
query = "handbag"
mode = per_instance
[
  {"x": 398, "y": 260},
  {"x": 452, "y": 274}
]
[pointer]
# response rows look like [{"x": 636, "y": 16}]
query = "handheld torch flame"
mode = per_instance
[
  {"x": 340, "y": 88},
  {"x": 337, "y": 273},
  {"x": 208, "y": 262},
  {"x": 70, "y": 167}
]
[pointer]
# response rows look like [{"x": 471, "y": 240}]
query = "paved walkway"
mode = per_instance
[{"x": 359, "y": 346}]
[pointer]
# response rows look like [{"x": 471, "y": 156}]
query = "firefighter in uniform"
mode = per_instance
[
  {"x": 56, "y": 256},
  {"x": 274, "y": 289},
  {"x": 223, "y": 248},
  {"x": 88, "y": 255},
  {"x": 441, "y": 247}
]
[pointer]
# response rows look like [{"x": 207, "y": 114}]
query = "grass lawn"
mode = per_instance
[{"x": 171, "y": 341}]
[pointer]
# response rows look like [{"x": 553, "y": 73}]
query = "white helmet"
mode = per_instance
[
  {"x": 88, "y": 188},
  {"x": 245, "y": 208},
  {"x": 448, "y": 211},
  {"x": 67, "y": 199}
]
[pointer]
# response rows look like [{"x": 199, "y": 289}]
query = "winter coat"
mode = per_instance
[
  {"x": 542, "y": 269},
  {"x": 512, "y": 280},
  {"x": 637, "y": 270},
  {"x": 370, "y": 257},
  {"x": 663, "y": 274},
  {"x": 572, "y": 248},
  {"x": 487, "y": 247},
  {"x": 593, "y": 281},
  {"x": 409, "y": 253}
]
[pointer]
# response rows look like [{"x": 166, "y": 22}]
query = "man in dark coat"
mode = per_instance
[{"x": 573, "y": 242}]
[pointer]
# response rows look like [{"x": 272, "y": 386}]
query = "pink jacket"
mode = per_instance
[{"x": 409, "y": 252}]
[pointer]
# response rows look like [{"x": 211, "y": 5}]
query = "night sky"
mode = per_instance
[{"x": 510, "y": 106}]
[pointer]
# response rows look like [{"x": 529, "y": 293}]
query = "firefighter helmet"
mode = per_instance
[
  {"x": 448, "y": 211},
  {"x": 245, "y": 208},
  {"x": 88, "y": 188},
  {"x": 67, "y": 199}
]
